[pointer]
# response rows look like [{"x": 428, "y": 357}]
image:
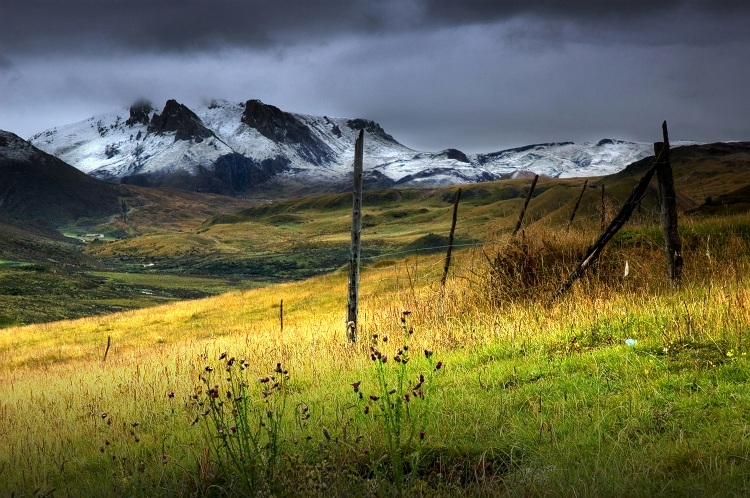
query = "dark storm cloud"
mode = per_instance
[
  {"x": 185, "y": 25},
  {"x": 477, "y": 75}
]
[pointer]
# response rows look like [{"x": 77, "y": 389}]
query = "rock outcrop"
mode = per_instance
[
  {"x": 284, "y": 128},
  {"x": 182, "y": 121}
]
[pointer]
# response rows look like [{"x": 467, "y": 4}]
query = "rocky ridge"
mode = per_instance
[{"x": 230, "y": 148}]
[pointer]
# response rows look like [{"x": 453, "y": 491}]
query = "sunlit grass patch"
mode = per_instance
[{"x": 625, "y": 381}]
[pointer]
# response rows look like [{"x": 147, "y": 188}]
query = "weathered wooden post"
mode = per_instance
[
  {"x": 595, "y": 249},
  {"x": 578, "y": 203},
  {"x": 281, "y": 316},
  {"x": 450, "y": 238},
  {"x": 353, "y": 305},
  {"x": 663, "y": 170},
  {"x": 525, "y": 205},
  {"x": 604, "y": 210},
  {"x": 106, "y": 351},
  {"x": 668, "y": 207}
]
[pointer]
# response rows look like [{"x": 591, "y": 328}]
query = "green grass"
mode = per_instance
[
  {"x": 14, "y": 264},
  {"x": 529, "y": 400},
  {"x": 35, "y": 293}
]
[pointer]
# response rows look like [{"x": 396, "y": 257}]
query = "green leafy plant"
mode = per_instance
[
  {"x": 399, "y": 403},
  {"x": 243, "y": 419}
]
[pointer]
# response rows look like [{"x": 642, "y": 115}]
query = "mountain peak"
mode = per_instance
[
  {"x": 139, "y": 112},
  {"x": 284, "y": 128},
  {"x": 370, "y": 127},
  {"x": 179, "y": 119}
]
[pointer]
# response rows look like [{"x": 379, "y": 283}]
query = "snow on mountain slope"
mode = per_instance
[{"x": 233, "y": 146}]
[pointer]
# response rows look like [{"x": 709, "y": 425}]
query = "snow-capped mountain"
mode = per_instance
[{"x": 230, "y": 147}]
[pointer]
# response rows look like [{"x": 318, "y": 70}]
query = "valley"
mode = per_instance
[{"x": 205, "y": 244}]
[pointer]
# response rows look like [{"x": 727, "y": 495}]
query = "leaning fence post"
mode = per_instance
[
  {"x": 450, "y": 238},
  {"x": 353, "y": 304},
  {"x": 668, "y": 208},
  {"x": 525, "y": 205},
  {"x": 592, "y": 254},
  {"x": 578, "y": 203}
]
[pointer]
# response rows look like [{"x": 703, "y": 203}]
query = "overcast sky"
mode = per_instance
[{"x": 477, "y": 75}]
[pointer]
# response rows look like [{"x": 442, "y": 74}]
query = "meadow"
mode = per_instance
[{"x": 628, "y": 385}]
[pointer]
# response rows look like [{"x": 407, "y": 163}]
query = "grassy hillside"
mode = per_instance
[
  {"x": 298, "y": 238},
  {"x": 253, "y": 242},
  {"x": 627, "y": 386}
]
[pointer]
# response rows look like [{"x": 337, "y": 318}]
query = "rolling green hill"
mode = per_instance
[{"x": 253, "y": 242}]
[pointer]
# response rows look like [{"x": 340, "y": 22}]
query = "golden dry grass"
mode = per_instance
[{"x": 58, "y": 389}]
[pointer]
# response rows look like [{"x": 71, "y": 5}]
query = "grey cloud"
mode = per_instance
[
  {"x": 475, "y": 75},
  {"x": 188, "y": 25}
]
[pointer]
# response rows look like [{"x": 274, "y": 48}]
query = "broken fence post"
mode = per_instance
[
  {"x": 450, "y": 238},
  {"x": 578, "y": 203},
  {"x": 525, "y": 205}
]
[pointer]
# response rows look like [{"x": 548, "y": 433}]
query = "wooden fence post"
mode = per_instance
[
  {"x": 353, "y": 304},
  {"x": 668, "y": 208},
  {"x": 525, "y": 204},
  {"x": 450, "y": 238},
  {"x": 106, "y": 351},
  {"x": 281, "y": 316},
  {"x": 604, "y": 210},
  {"x": 578, "y": 203},
  {"x": 592, "y": 254}
]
